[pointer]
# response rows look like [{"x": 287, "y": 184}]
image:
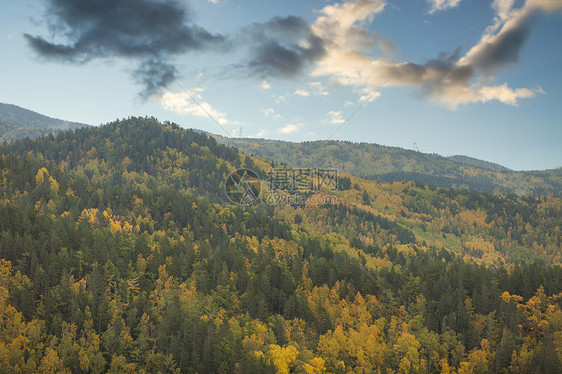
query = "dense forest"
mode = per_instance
[
  {"x": 392, "y": 164},
  {"x": 119, "y": 252}
]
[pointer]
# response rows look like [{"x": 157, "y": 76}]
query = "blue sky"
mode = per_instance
[{"x": 479, "y": 78}]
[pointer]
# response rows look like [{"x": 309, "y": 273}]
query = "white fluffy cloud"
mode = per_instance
[
  {"x": 289, "y": 129},
  {"x": 182, "y": 103},
  {"x": 437, "y": 5},
  {"x": 505, "y": 94},
  {"x": 503, "y": 8},
  {"x": 303, "y": 93},
  {"x": 345, "y": 41},
  {"x": 314, "y": 89},
  {"x": 318, "y": 88},
  {"x": 335, "y": 117}
]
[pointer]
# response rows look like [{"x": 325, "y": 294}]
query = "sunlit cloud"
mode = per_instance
[
  {"x": 182, "y": 103},
  {"x": 289, "y": 129}
]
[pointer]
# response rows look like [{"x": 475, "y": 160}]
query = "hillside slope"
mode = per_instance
[
  {"x": 19, "y": 123},
  {"x": 392, "y": 164},
  {"x": 478, "y": 163}
]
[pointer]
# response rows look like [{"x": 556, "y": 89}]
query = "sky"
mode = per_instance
[{"x": 477, "y": 78}]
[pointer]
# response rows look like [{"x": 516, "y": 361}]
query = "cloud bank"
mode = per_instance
[
  {"x": 338, "y": 45},
  {"x": 152, "y": 32},
  {"x": 451, "y": 79}
]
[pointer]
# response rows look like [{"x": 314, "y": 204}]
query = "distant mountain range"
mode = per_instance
[
  {"x": 392, "y": 164},
  {"x": 20, "y": 123},
  {"x": 371, "y": 161}
]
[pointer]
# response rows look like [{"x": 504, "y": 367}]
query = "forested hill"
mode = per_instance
[
  {"x": 120, "y": 253},
  {"x": 478, "y": 163},
  {"x": 19, "y": 123},
  {"x": 392, "y": 164}
]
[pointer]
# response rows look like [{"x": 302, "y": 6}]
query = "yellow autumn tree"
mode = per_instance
[
  {"x": 51, "y": 363},
  {"x": 54, "y": 185},
  {"x": 283, "y": 358},
  {"x": 41, "y": 174},
  {"x": 479, "y": 359},
  {"x": 408, "y": 347},
  {"x": 315, "y": 366}
]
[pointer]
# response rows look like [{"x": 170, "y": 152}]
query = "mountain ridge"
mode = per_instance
[
  {"x": 381, "y": 163},
  {"x": 472, "y": 161},
  {"x": 392, "y": 164},
  {"x": 17, "y": 123}
]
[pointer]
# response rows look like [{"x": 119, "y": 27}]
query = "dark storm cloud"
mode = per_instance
[
  {"x": 434, "y": 74},
  {"x": 505, "y": 48},
  {"x": 282, "y": 47},
  {"x": 153, "y": 75},
  {"x": 446, "y": 72},
  {"x": 443, "y": 61},
  {"x": 144, "y": 30},
  {"x": 150, "y": 32}
]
